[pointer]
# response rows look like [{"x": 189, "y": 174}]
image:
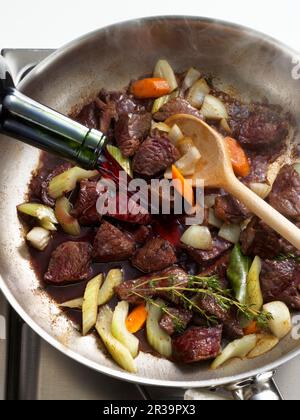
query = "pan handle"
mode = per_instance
[{"x": 260, "y": 388}]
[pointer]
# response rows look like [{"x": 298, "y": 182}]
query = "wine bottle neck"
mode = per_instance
[{"x": 46, "y": 129}]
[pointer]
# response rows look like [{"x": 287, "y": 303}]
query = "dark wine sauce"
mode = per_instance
[{"x": 170, "y": 228}]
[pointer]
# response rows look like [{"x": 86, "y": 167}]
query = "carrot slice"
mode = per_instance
[
  {"x": 136, "y": 319},
  {"x": 183, "y": 187},
  {"x": 154, "y": 87},
  {"x": 251, "y": 329},
  {"x": 239, "y": 159}
]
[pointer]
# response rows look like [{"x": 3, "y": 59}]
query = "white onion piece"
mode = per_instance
[
  {"x": 197, "y": 93},
  {"x": 265, "y": 343},
  {"x": 297, "y": 167},
  {"x": 231, "y": 233},
  {"x": 160, "y": 126},
  {"x": 261, "y": 189},
  {"x": 281, "y": 324},
  {"x": 213, "y": 108},
  {"x": 191, "y": 77},
  {"x": 198, "y": 237},
  {"x": 224, "y": 124},
  {"x": 165, "y": 71},
  {"x": 213, "y": 220},
  {"x": 39, "y": 238},
  {"x": 188, "y": 162},
  {"x": 238, "y": 348},
  {"x": 175, "y": 134}
]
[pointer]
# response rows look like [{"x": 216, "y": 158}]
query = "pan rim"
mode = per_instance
[{"x": 51, "y": 60}]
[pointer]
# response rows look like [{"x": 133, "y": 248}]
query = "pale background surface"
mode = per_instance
[
  {"x": 42, "y": 24},
  {"x": 52, "y": 23}
]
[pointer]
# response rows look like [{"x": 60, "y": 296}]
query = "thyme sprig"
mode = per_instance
[{"x": 200, "y": 286}]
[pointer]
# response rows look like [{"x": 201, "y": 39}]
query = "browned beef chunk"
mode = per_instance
[
  {"x": 157, "y": 254},
  {"x": 70, "y": 262},
  {"x": 146, "y": 287},
  {"x": 175, "y": 320},
  {"x": 259, "y": 239},
  {"x": 44, "y": 192},
  {"x": 280, "y": 280},
  {"x": 85, "y": 207},
  {"x": 120, "y": 101},
  {"x": 107, "y": 115},
  {"x": 142, "y": 234},
  {"x": 155, "y": 155},
  {"x": 197, "y": 344},
  {"x": 133, "y": 122},
  {"x": 257, "y": 125},
  {"x": 285, "y": 195},
  {"x": 176, "y": 106},
  {"x": 88, "y": 116},
  {"x": 218, "y": 268},
  {"x": 111, "y": 244},
  {"x": 220, "y": 246},
  {"x": 231, "y": 210},
  {"x": 232, "y": 328},
  {"x": 131, "y": 130}
]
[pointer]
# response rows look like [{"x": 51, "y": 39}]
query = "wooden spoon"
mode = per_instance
[{"x": 215, "y": 169}]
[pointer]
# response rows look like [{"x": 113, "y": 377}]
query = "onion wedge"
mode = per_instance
[{"x": 165, "y": 71}]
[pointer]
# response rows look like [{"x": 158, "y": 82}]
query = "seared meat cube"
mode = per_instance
[
  {"x": 85, "y": 207},
  {"x": 259, "y": 126},
  {"x": 89, "y": 116},
  {"x": 197, "y": 344},
  {"x": 231, "y": 210},
  {"x": 232, "y": 328},
  {"x": 133, "y": 122},
  {"x": 176, "y": 320},
  {"x": 155, "y": 155},
  {"x": 155, "y": 255},
  {"x": 70, "y": 262},
  {"x": 111, "y": 244},
  {"x": 131, "y": 130},
  {"x": 285, "y": 195},
  {"x": 134, "y": 291},
  {"x": 142, "y": 234},
  {"x": 220, "y": 246},
  {"x": 218, "y": 268},
  {"x": 259, "y": 239},
  {"x": 135, "y": 214},
  {"x": 47, "y": 200},
  {"x": 280, "y": 280},
  {"x": 176, "y": 106}
]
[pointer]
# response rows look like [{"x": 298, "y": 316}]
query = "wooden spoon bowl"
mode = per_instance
[{"x": 215, "y": 169}]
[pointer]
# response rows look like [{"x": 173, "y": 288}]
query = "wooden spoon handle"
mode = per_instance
[{"x": 263, "y": 210}]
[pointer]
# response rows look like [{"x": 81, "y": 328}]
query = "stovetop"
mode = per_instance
[{"x": 40, "y": 372}]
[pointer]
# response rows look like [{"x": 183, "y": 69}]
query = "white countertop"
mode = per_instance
[{"x": 41, "y": 24}]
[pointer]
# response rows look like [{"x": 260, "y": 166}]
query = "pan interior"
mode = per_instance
[{"x": 256, "y": 66}]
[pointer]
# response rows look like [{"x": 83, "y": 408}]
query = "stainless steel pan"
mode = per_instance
[{"x": 256, "y": 65}]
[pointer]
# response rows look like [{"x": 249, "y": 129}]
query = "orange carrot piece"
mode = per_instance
[
  {"x": 154, "y": 87},
  {"x": 251, "y": 329},
  {"x": 183, "y": 187},
  {"x": 239, "y": 159},
  {"x": 136, "y": 319}
]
